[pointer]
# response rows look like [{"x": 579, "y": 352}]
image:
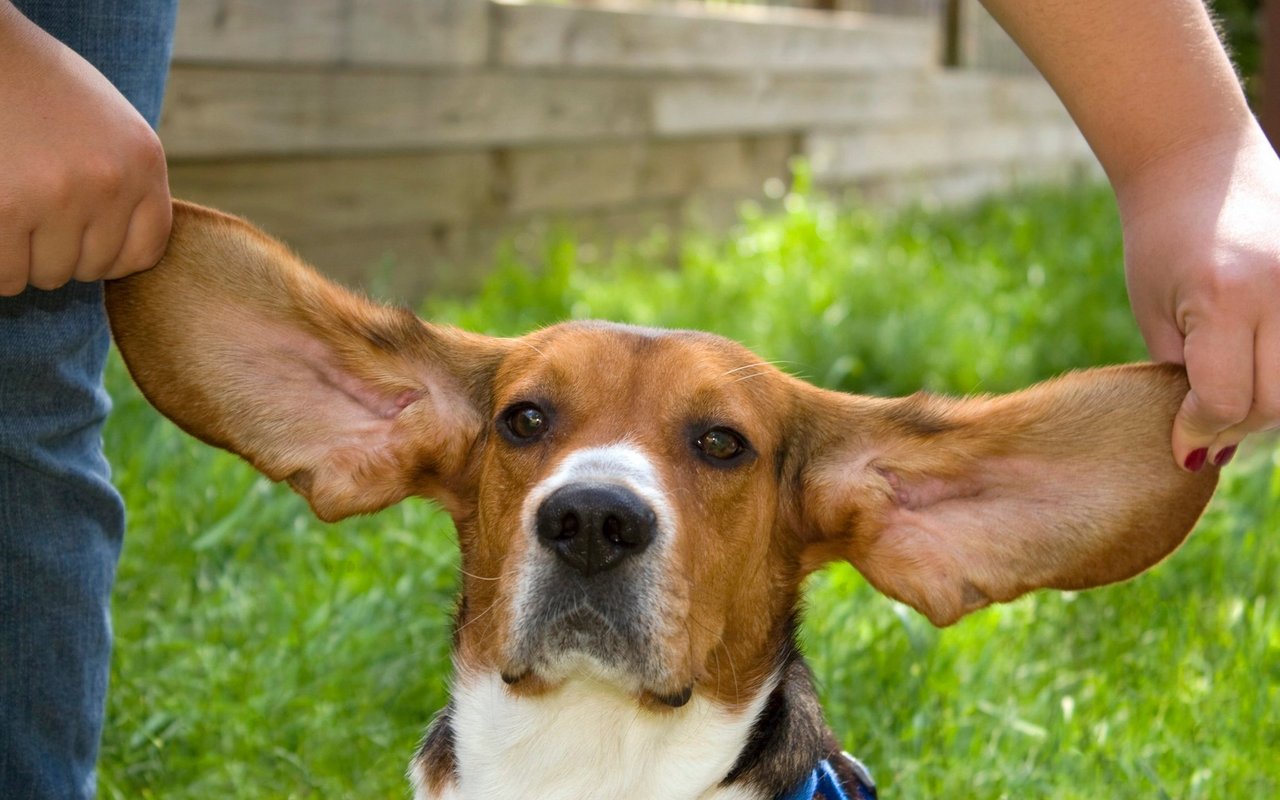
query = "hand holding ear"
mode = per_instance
[
  {"x": 1202, "y": 256},
  {"x": 84, "y": 192}
]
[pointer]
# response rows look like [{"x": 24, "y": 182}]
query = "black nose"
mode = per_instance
[{"x": 592, "y": 528}]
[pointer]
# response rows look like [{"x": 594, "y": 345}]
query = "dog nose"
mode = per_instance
[{"x": 593, "y": 528}]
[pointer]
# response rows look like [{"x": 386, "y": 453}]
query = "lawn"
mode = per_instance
[{"x": 263, "y": 654}]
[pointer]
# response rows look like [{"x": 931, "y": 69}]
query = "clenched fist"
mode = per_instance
[{"x": 84, "y": 192}]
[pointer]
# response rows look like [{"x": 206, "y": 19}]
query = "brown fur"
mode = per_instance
[{"x": 947, "y": 505}]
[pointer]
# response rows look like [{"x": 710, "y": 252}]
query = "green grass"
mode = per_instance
[{"x": 262, "y": 654}]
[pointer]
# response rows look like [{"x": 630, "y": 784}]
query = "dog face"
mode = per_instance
[
  {"x": 628, "y": 515},
  {"x": 640, "y": 507}
]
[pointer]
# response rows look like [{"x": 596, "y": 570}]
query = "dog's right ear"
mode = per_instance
[
  {"x": 951, "y": 505},
  {"x": 355, "y": 404}
]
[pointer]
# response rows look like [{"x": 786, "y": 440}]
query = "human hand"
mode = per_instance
[
  {"x": 84, "y": 191},
  {"x": 1202, "y": 258}
]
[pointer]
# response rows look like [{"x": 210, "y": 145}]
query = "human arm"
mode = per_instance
[
  {"x": 84, "y": 190},
  {"x": 1198, "y": 188}
]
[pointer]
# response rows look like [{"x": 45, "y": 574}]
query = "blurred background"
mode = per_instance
[
  {"x": 413, "y": 139},
  {"x": 416, "y": 137}
]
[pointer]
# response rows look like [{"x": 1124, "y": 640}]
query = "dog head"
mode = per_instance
[{"x": 641, "y": 506}]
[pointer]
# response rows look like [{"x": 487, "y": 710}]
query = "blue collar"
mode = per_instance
[{"x": 824, "y": 784}]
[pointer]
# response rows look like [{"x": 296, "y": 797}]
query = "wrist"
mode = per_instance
[{"x": 1213, "y": 162}]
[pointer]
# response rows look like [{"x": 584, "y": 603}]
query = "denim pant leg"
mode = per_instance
[{"x": 61, "y": 522}]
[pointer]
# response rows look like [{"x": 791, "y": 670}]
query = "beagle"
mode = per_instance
[{"x": 637, "y": 509}]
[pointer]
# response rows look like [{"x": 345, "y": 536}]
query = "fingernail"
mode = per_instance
[
  {"x": 1196, "y": 459},
  {"x": 1224, "y": 456}
]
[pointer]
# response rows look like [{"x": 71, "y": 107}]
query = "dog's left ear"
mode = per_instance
[
  {"x": 950, "y": 505},
  {"x": 355, "y": 404}
]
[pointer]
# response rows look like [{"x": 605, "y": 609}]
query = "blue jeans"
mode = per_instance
[{"x": 61, "y": 522}]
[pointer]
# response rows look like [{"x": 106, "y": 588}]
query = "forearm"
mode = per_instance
[
  {"x": 1198, "y": 187},
  {"x": 1145, "y": 80}
]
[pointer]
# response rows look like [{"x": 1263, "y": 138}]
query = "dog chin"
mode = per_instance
[
  {"x": 583, "y": 645},
  {"x": 571, "y": 667}
]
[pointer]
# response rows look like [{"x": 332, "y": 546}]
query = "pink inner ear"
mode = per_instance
[
  {"x": 386, "y": 405},
  {"x": 351, "y": 440},
  {"x": 950, "y": 505},
  {"x": 921, "y": 549},
  {"x": 307, "y": 419},
  {"x": 926, "y": 491},
  {"x": 304, "y": 373},
  {"x": 948, "y": 546}
]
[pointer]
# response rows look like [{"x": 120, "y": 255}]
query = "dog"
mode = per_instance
[{"x": 637, "y": 509}]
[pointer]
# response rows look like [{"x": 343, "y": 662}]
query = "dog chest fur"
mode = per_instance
[{"x": 587, "y": 739}]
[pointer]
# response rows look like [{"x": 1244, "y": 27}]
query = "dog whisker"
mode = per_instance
[
  {"x": 477, "y": 617},
  {"x": 720, "y": 645},
  {"x": 534, "y": 348},
  {"x": 750, "y": 366},
  {"x": 479, "y": 577}
]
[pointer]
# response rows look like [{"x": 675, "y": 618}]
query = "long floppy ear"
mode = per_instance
[
  {"x": 356, "y": 405},
  {"x": 950, "y": 505}
]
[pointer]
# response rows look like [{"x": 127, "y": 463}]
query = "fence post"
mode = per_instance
[
  {"x": 952, "y": 32},
  {"x": 1269, "y": 113}
]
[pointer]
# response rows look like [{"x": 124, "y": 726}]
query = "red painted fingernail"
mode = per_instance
[
  {"x": 1196, "y": 459},
  {"x": 1225, "y": 456}
]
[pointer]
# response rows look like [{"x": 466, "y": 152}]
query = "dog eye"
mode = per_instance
[
  {"x": 721, "y": 444},
  {"x": 525, "y": 421}
]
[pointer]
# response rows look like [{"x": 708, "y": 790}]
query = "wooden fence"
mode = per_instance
[{"x": 408, "y": 139}]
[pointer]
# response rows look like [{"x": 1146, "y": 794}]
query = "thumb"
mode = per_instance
[{"x": 1219, "y": 360}]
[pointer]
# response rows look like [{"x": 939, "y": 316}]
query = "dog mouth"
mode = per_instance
[{"x": 581, "y": 640}]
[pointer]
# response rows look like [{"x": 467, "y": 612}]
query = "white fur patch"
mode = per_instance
[
  {"x": 621, "y": 464},
  {"x": 587, "y": 741},
  {"x": 625, "y": 465}
]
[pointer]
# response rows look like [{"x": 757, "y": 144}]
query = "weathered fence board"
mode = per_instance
[
  {"x": 419, "y": 33},
  {"x": 422, "y": 132},
  {"x": 215, "y": 112},
  {"x": 856, "y": 155},
  {"x": 594, "y": 176},
  {"x": 309, "y": 196},
  {"x": 684, "y": 41}
]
